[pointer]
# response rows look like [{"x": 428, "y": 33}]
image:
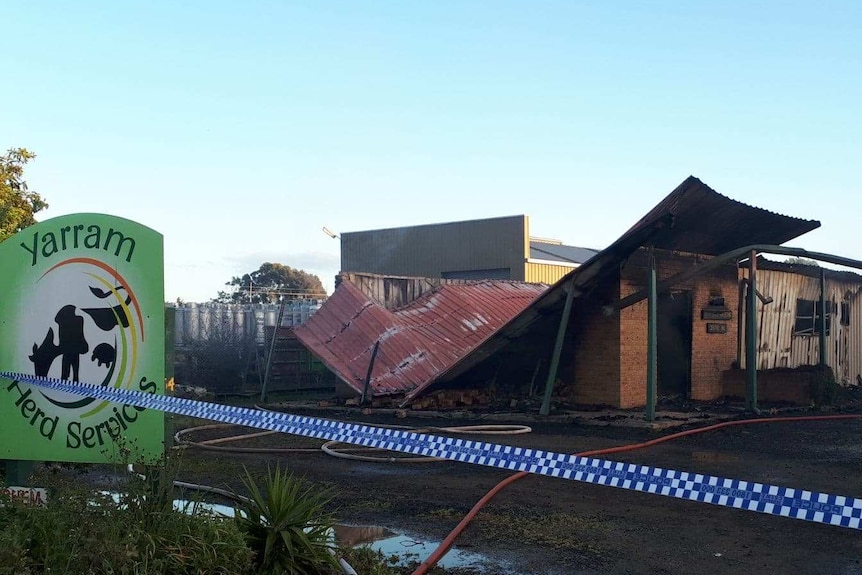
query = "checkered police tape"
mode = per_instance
[{"x": 770, "y": 499}]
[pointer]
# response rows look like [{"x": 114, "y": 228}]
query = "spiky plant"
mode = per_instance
[{"x": 286, "y": 525}]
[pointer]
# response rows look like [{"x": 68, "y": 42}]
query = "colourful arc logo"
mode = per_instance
[{"x": 115, "y": 312}]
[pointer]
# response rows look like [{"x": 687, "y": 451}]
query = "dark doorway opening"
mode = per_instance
[{"x": 674, "y": 343}]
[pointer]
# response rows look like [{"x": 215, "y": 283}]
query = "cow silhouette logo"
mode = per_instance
[
  {"x": 92, "y": 335},
  {"x": 72, "y": 344}
]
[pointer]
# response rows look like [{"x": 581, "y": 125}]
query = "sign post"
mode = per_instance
[{"x": 81, "y": 299}]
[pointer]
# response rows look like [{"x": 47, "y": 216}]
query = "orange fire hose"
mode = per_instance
[{"x": 446, "y": 544}]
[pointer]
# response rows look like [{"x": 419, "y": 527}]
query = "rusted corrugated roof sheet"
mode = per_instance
[{"x": 417, "y": 342}]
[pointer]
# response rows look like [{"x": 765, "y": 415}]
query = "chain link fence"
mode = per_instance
[{"x": 227, "y": 349}]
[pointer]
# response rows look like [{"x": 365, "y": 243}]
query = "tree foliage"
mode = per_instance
[
  {"x": 269, "y": 283},
  {"x": 18, "y": 205}
]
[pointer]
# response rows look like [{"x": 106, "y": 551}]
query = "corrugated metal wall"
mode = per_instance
[
  {"x": 434, "y": 250},
  {"x": 854, "y": 353},
  {"x": 394, "y": 292},
  {"x": 778, "y": 347},
  {"x": 545, "y": 273}
]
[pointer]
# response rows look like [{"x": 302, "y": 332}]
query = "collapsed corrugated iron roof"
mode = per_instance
[
  {"x": 693, "y": 218},
  {"x": 419, "y": 341}
]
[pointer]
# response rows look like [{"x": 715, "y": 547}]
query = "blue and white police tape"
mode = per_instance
[{"x": 770, "y": 499}]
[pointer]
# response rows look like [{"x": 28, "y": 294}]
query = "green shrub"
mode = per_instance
[
  {"x": 137, "y": 533},
  {"x": 206, "y": 544},
  {"x": 79, "y": 533},
  {"x": 287, "y": 526},
  {"x": 282, "y": 528},
  {"x": 13, "y": 546},
  {"x": 367, "y": 561}
]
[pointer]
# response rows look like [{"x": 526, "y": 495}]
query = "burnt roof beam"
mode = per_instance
[{"x": 717, "y": 261}]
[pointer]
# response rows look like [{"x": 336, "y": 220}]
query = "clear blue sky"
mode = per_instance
[{"x": 239, "y": 129}]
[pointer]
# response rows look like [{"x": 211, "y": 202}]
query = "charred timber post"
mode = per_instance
[
  {"x": 652, "y": 342},
  {"x": 271, "y": 350},
  {"x": 822, "y": 319},
  {"x": 558, "y": 349},
  {"x": 751, "y": 335},
  {"x": 740, "y": 326},
  {"x": 368, "y": 373}
]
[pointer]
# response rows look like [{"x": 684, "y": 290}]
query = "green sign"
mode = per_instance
[{"x": 81, "y": 299}]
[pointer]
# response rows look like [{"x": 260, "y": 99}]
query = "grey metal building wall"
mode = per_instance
[{"x": 457, "y": 250}]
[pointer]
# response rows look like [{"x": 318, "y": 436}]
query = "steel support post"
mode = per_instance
[
  {"x": 751, "y": 335},
  {"x": 558, "y": 350},
  {"x": 652, "y": 342}
]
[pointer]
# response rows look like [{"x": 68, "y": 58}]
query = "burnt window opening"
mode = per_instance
[
  {"x": 845, "y": 313},
  {"x": 808, "y": 313}
]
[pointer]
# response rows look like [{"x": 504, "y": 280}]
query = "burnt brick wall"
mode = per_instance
[
  {"x": 711, "y": 353},
  {"x": 590, "y": 369},
  {"x": 773, "y": 385}
]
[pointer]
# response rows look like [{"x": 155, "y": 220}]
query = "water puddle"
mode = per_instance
[
  {"x": 352, "y": 535},
  {"x": 407, "y": 548},
  {"x": 186, "y": 506},
  {"x": 193, "y": 506}
]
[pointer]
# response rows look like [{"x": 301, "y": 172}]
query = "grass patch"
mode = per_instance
[
  {"x": 448, "y": 513},
  {"x": 557, "y": 530},
  {"x": 365, "y": 504}
]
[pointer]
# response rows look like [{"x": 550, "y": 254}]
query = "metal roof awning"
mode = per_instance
[
  {"x": 693, "y": 218},
  {"x": 702, "y": 221}
]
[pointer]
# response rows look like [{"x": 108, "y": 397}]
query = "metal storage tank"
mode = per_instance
[
  {"x": 192, "y": 323},
  {"x": 313, "y": 308},
  {"x": 295, "y": 313},
  {"x": 271, "y": 316},
  {"x": 204, "y": 322},
  {"x": 239, "y": 321},
  {"x": 259, "y": 320},
  {"x": 287, "y": 318},
  {"x": 179, "y": 326}
]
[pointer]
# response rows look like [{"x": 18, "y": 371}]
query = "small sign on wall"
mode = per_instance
[
  {"x": 716, "y": 328},
  {"x": 716, "y": 314},
  {"x": 32, "y": 496}
]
